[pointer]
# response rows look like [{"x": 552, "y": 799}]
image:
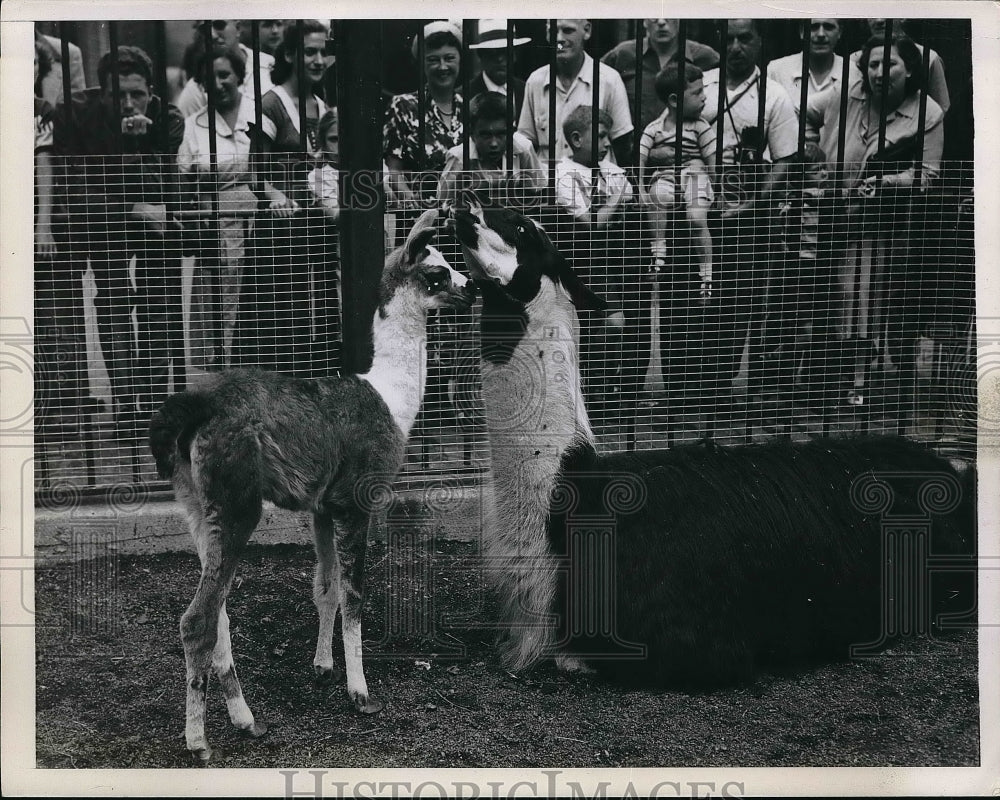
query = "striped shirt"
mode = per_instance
[{"x": 658, "y": 143}]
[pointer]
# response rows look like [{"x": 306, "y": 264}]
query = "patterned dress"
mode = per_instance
[{"x": 401, "y": 132}]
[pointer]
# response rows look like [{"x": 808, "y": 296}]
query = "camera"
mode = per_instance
[{"x": 749, "y": 146}]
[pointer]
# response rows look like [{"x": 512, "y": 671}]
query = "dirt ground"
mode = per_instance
[{"x": 110, "y": 683}]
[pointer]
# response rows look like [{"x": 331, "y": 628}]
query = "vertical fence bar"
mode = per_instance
[
  {"x": 511, "y": 122},
  {"x": 421, "y": 96},
  {"x": 720, "y": 120},
  {"x": 679, "y": 122},
  {"x": 362, "y": 254},
  {"x": 637, "y": 126},
  {"x": 553, "y": 41},
  {"x": 212, "y": 230},
  {"x": 468, "y": 33},
  {"x": 303, "y": 86}
]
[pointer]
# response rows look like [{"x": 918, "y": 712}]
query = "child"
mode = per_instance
[
  {"x": 657, "y": 166},
  {"x": 324, "y": 180},
  {"x": 487, "y": 171},
  {"x": 596, "y": 209},
  {"x": 575, "y": 190}
]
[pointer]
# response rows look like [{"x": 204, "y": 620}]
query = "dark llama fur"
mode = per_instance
[
  {"x": 732, "y": 560},
  {"x": 700, "y": 565},
  {"x": 329, "y": 446}
]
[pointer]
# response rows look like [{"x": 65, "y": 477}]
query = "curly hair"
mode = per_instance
[
  {"x": 205, "y": 60},
  {"x": 131, "y": 61}
]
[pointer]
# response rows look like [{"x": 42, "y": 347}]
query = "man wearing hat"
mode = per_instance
[{"x": 492, "y": 51}]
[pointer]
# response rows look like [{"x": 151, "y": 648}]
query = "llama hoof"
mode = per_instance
[
  {"x": 368, "y": 705},
  {"x": 327, "y": 676},
  {"x": 201, "y": 755},
  {"x": 256, "y": 730}
]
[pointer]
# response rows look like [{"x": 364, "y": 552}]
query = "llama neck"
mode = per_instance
[
  {"x": 399, "y": 366},
  {"x": 534, "y": 406}
]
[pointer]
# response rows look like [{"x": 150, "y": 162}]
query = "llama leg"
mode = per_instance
[
  {"x": 225, "y": 668},
  {"x": 326, "y": 595},
  {"x": 353, "y": 543},
  {"x": 219, "y": 535}
]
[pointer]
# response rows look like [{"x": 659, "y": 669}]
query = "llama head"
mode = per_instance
[
  {"x": 419, "y": 270},
  {"x": 505, "y": 249}
]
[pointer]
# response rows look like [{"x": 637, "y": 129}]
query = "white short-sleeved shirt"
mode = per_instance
[
  {"x": 788, "y": 72},
  {"x": 193, "y": 98},
  {"x": 781, "y": 125},
  {"x": 534, "y": 122},
  {"x": 575, "y": 184}
]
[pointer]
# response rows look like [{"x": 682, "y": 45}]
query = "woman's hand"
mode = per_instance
[{"x": 45, "y": 243}]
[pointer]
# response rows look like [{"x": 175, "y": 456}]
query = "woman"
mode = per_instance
[
  {"x": 289, "y": 307},
  {"x": 224, "y": 198},
  {"x": 876, "y": 187},
  {"x": 442, "y": 116}
]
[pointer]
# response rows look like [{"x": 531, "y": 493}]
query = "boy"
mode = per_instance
[
  {"x": 487, "y": 172},
  {"x": 597, "y": 235},
  {"x": 575, "y": 190},
  {"x": 684, "y": 96}
]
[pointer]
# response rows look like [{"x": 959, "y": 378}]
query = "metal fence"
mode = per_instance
[{"x": 157, "y": 280}]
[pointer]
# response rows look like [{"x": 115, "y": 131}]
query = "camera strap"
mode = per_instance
[{"x": 730, "y": 103}]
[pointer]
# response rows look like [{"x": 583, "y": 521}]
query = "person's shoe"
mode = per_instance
[
  {"x": 705, "y": 293},
  {"x": 855, "y": 397},
  {"x": 657, "y": 268}
]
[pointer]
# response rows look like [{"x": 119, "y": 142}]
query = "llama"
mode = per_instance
[
  {"x": 694, "y": 566},
  {"x": 246, "y": 436}
]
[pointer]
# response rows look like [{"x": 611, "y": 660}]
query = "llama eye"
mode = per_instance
[{"x": 521, "y": 229}]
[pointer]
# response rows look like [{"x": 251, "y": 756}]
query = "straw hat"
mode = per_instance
[
  {"x": 493, "y": 35},
  {"x": 438, "y": 26}
]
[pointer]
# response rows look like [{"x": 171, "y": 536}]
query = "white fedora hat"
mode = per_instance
[{"x": 493, "y": 35}]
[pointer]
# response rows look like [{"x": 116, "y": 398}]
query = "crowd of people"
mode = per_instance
[{"x": 795, "y": 184}]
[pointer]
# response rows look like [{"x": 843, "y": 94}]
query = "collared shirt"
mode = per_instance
[
  {"x": 232, "y": 146},
  {"x": 494, "y": 87},
  {"x": 781, "y": 128},
  {"x": 622, "y": 58},
  {"x": 788, "y": 72},
  {"x": 534, "y": 122},
  {"x": 193, "y": 98},
  {"x": 52, "y": 84},
  {"x": 477, "y": 177},
  {"x": 862, "y": 130},
  {"x": 575, "y": 185}
]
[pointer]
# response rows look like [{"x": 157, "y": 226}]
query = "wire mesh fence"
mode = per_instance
[{"x": 824, "y": 312}]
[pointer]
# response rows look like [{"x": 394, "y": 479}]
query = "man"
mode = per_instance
[
  {"x": 116, "y": 201},
  {"x": 755, "y": 162},
  {"x": 226, "y": 33},
  {"x": 574, "y": 87},
  {"x": 492, "y": 51},
  {"x": 661, "y": 46},
  {"x": 826, "y": 68}
]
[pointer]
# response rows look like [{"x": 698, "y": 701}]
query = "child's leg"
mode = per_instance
[
  {"x": 698, "y": 217},
  {"x": 661, "y": 206}
]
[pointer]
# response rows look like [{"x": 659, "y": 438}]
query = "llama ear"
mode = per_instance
[
  {"x": 557, "y": 267},
  {"x": 423, "y": 232}
]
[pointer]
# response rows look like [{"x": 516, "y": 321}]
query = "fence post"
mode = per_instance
[{"x": 362, "y": 243}]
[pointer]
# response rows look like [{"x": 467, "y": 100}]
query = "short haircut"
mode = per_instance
[
  {"x": 908, "y": 51},
  {"x": 131, "y": 61},
  {"x": 580, "y": 120},
  {"x": 326, "y": 122},
  {"x": 669, "y": 80},
  {"x": 489, "y": 107},
  {"x": 206, "y": 59}
]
